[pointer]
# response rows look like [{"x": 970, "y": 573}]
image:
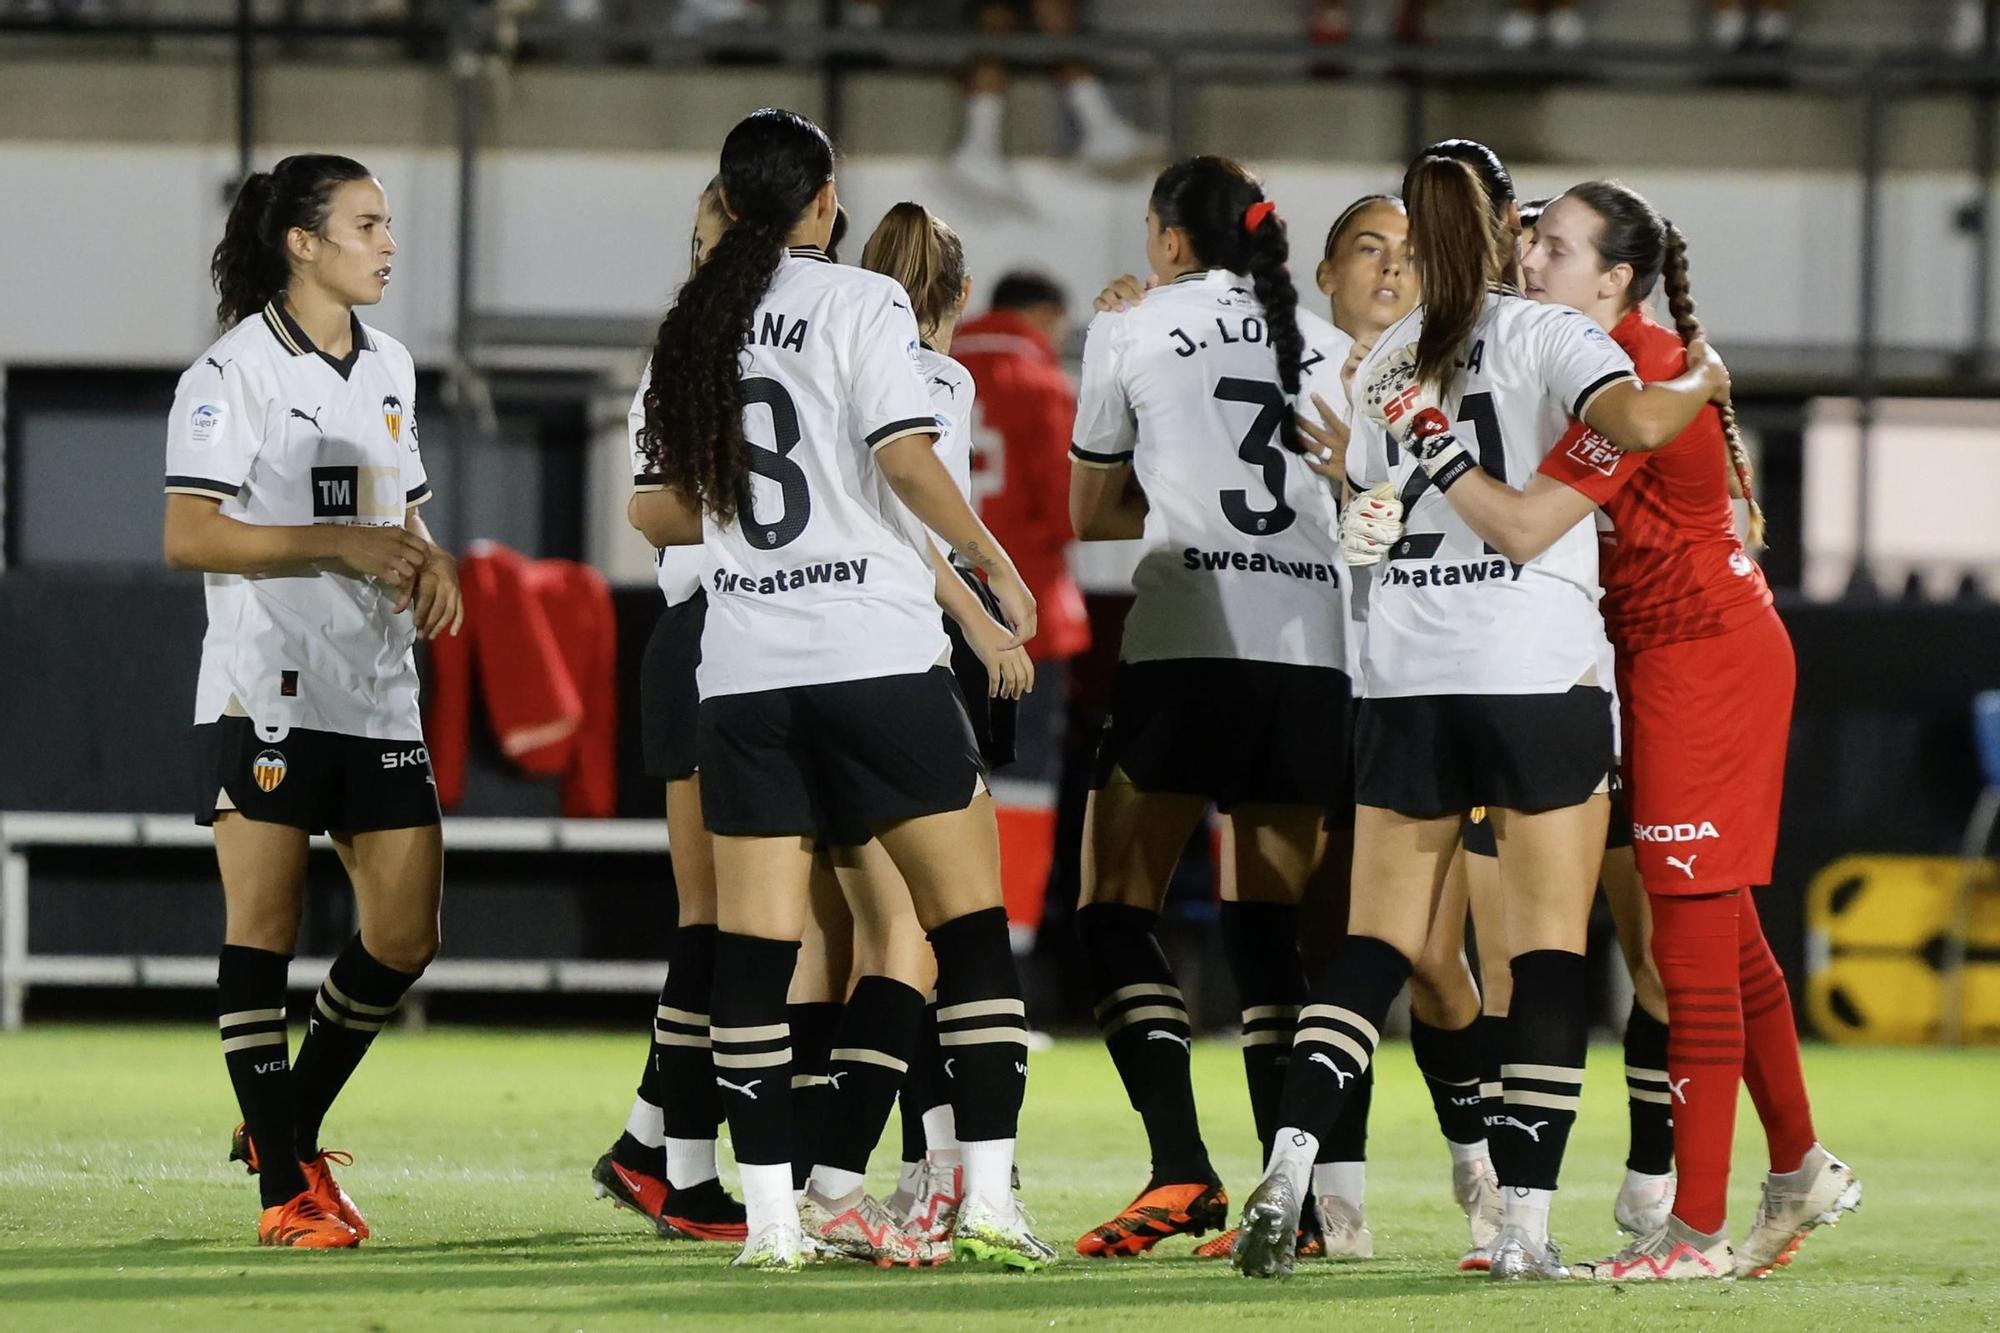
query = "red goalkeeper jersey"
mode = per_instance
[{"x": 1668, "y": 554}]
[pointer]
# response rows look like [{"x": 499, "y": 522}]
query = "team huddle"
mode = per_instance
[{"x": 1440, "y": 605}]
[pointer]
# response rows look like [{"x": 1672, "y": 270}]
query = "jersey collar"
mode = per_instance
[
  {"x": 808, "y": 252},
  {"x": 294, "y": 340}
]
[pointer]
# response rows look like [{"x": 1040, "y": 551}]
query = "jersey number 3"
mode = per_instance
[
  {"x": 775, "y": 465},
  {"x": 1258, "y": 450}
]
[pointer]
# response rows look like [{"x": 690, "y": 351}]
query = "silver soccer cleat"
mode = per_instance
[
  {"x": 1519, "y": 1258},
  {"x": 781, "y": 1248},
  {"x": 1815, "y": 1195},
  {"x": 1267, "y": 1238}
]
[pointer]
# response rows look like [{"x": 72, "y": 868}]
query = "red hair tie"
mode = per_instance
[{"x": 1253, "y": 216}]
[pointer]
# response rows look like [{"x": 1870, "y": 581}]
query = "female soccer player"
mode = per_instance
[
  {"x": 789, "y": 424},
  {"x": 1231, "y": 685},
  {"x": 1705, "y": 676},
  {"x": 1463, "y": 706},
  {"x": 293, "y": 481},
  {"x": 664, "y": 1166}
]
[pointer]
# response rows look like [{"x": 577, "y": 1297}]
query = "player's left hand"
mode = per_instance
[
  {"x": 439, "y": 606},
  {"x": 1010, "y": 672},
  {"x": 1702, "y": 357},
  {"x": 1324, "y": 442},
  {"x": 1370, "y": 525},
  {"x": 1395, "y": 399},
  {"x": 1124, "y": 292}
]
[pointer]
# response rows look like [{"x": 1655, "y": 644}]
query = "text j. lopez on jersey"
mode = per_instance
[{"x": 791, "y": 580}]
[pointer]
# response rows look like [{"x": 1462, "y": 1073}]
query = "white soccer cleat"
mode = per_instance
[
  {"x": 1674, "y": 1253},
  {"x": 1815, "y": 1195},
  {"x": 1476, "y": 1190},
  {"x": 983, "y": 1236},
  {"x": 1518, "y": 1257},
  {"x": 780, "y": 1248},
  {"x": 864, "y": 1232},
  {"x": 1344, "y": 1229},
  {"x": 934, "y": 1212},
  {"x": 1644, "y": 1203}
]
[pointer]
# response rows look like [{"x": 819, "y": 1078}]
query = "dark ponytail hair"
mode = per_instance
[
  {"x": 251, "y": 263},
  {"x": 1631, "y": 231},
  {"x": 922, "y": 253},
  {"x": 1461, "y": 247},
  {"x": 1211, "y": 199},
  {"x": 1499, "y": 183},
  {"x": 773, "y": 163}
]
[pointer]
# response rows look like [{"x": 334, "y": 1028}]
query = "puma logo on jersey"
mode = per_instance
[
  {"x": 1533, "y": 1131},
  {"x": 312, "y": 420},
  {"x": 1678, "y": 1087},
  {"x": 1338, "y": 1072},
  {"x": 946, "y": 385},
  {"x": 209, "y": 360},
  {"x": 1157, "y": 1035},
  {"x": 1685, "y": 867},
  {"x": 747, "y": 1089}
]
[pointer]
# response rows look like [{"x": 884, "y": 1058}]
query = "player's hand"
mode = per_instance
[
  {"x": 440, "y": 607},
  {"x": 1124, "y": 292},
  {"x": 1010, "y": 672},
  {"x": 1017, "y": 604},
  {"x": 1395, "y": 399},
  {"x": 1324, "y": 442},
  {"x": 1370, "y": 525},
  {"x": 389, "y": 555},
  {"x": 1702, "y": 357}
]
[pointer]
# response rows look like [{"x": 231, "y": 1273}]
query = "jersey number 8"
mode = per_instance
[{"x": 774, "y": 465}]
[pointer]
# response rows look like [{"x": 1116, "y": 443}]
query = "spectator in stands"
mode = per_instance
[
  {"x": 1750, "y": 25},
  {"x": 1332, "y": 23},
  {"x": 1972, "y": 26},
  {"x": 1532, "y": 22}
]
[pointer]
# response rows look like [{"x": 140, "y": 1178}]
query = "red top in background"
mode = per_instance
[
  {"x": 1670, "y": 562},
  {"x": 1020, "y": 466}
]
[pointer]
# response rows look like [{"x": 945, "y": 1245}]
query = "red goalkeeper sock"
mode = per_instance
[
  {"x": 1771, "y": 1035},
  {"x": 1695, "y": 948}
]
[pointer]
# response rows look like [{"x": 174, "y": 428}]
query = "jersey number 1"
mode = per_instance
[
  {"x": 1257, "y": 450},
  {"x": 1474, "y": 410},
  {"x": 774, "y": 465}
]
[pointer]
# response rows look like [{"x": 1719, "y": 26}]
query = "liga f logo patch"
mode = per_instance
[
  {"x": 269, "y": 769},
  {"x": 392, "y": 417},
  {"x": 1595, "y": 452}
]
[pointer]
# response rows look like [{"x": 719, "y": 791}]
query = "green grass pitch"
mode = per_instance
[{"x": 472, "y": 1148}]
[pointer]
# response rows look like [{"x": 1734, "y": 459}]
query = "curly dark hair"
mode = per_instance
[
  {"x": 251, "y": 264},
  {"x": 1209, "y": 198},
  {"x": 773, "y": 163}
]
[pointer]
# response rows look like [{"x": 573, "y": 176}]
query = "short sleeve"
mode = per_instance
[
  {"x": 643, "y": 476},
  {"x": 213, "y": 435},
  {"x": 1588, "y": 463},
  {"x": 1319, "y": 373},
  {"x": 886, "y": 393},
  {"x": 416, "y": 482},
  {"x": 1106, "y": 431},
  {"x": 1578, "y": 360}
]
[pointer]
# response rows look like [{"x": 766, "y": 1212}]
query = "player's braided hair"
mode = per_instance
[
  {"x": 252, "y": 263},
  {"x": 1211, "y": 199},
  {"x": 925, "y": 256},
  {"x": 1634, "y": 233},
  {"x": 1461, "y": 247},
  {"x": 773, "y": 164}
]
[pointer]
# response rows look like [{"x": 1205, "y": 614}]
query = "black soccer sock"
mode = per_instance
[
  {"x": 680, "y": 1068},
  {"x": 250, "y": 1009},
  {"x": 1648, "y": 1095},
  {"x": 982, "y": 1024},
  {"x": 753, "y": 1044},
  {"x": 1548, "y": 1033},
  {"x": 878, "y": 1027},
  {"x": 924, "y": 1088},
  {"x": 1338, "y": 1031},
  {"x": 1145, "y": 1025},
  {"x": 1451, "y": 1060},
  {"x": 1347, "y": 1141},
  {"x": 812, "y": 1048},
  {"x": 1492, "y": 1030},
  {"x": 354, "y": 1003},
  {"x": 1262, "y": 943}
]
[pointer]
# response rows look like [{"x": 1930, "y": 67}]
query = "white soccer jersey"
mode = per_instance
[
  {"x": 1240, "y": 556},
  {"x": 284, "y": 435},
  {"x": 1446, "y": 615},
  {"x": 676, "y": 568},
  {"x": 952, "y": 392},
  {"x": 823, "y": 575}
]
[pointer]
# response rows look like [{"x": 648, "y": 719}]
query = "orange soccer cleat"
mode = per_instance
[
  {"x": 1189, "y": 1209},
  {"x": 334, "y": 1199},
  {"x": 302, "y": 1222}
]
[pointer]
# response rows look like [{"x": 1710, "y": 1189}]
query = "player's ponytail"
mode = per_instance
[
  {"x": 773, "y": 164},
  {"x": 1460, "y": 248},
  {"x": 925, "y": 256},
  {"x": 1231, "y": 225},
  {"x": 1680, "y": 305},
  {"x": 252, "y": 262}
]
